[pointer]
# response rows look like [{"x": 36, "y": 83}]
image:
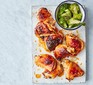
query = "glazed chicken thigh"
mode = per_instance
[
  {"x": 42, "y": 29},
  {"x": 51, "y": 66},
  {"x": 72, "y": 69},
  {"x": 43, "y": 14},
  {"x": 61, "y": 51},
  {"x": 46, "y": 61},
  {"x": 50, "y": 41},
  {"x": 75, "y": 42},
  {"x": 56, "y": 72}
]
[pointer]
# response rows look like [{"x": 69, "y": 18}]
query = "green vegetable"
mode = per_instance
[
  {"x": 77, "y": 16},
  {"x": 69, "y": 15},
  {"x": 73, "y": 21},
  {"x": 74, "y": 25},
  {"x": 64, "y": 7},
  {"x": 82, "y": 23},
  {"x": 74, "y": 8},
  {"x": 65, "y": 25},
  {"x": 63, "y": 22}
]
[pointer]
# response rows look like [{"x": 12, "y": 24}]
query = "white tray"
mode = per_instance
[{"x": 37, "y": 49}]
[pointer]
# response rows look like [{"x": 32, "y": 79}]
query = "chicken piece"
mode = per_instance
[
  {"x": 72, "y": 70},
  {"x": 58, "y": 71},
  {"x": 46, "y": 61},
  {"x": 49, "y": 36},
  {"x": 50, "y": 22},
  {"x": 75, "y": 42},
  {"x": 49, "y": 42},
  {"x": 43, "y": 14},
  {"x": 46, "y": 18},
  {"x": 41, "y": 29},
  {"x": 61, "y": 51}
]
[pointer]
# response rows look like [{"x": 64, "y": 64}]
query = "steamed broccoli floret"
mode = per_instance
[
  {"x": 74, "y": 8},
  {"x": 67, "y": 14},
  {"x": 63, "y": 22},
  {"x": 65, "y": 25},
  {"x": 64, "y": 7},
  {"x": 74, "y": 25},
  {"x": 73, "y": 21},
  {"x": 77, "y": 16}
]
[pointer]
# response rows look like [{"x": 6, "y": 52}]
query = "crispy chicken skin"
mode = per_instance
[
  {"x": 41, "y": 29},
  {"x": 72, "y": 70},
  {"x": 46, "y": 61},
  {"x": 61, "y": 51},
  {"x": 53, "y": 40},
  {"x": 43, "y": 14},
  {"x": 50, "y": 22},
  {"x": 75, "y": 42},
  {"x": 50, "y": 41},
  {"x": 45, "y": 17},
  {"x": 51, "y": 66},
  {"x": 56, "y": 72}
]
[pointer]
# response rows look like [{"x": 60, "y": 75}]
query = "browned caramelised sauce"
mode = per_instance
[
  {"x": 35, "y": 40},
  {"x": 40, "y": 50},
  {"x": 60, "y": 31},
  {"x": 43, "y": 14},
  {"x": 61, "y": 74},
  {"x": 38, "y": 75}
]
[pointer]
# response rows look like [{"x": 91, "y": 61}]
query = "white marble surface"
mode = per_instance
[{"x": 15, "y": 40}]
